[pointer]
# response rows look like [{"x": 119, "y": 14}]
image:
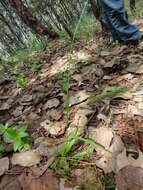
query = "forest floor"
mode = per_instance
[{"x": 106, "y": 103}]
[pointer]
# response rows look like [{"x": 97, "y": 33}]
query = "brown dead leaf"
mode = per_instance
[
  {"x": 78, "y": 98},
  {"x": 4, "y": 165},
  {"x": 53, "y": 128},
  {"x": 106, "y": 159},
  {"x": 124, "y": 160},
  {"x": 26, "y": 159},
  {"x": 40, "y": 170},
  {"x": 53, "y": 103},
  {"x": 130, "y": 178},
  {"x": 26, "y": 181},
  {"x": 50, "y": 147}
]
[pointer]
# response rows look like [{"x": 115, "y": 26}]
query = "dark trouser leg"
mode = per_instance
[{"x": 115, "y": 17}]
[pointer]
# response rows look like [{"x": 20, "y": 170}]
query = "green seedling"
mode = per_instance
[
  {"x": 18, "y": 136},
  {"x": 21, "y": 80},
  {"x": 34, "y": 67},
  {"x": 16, "y": 71}
]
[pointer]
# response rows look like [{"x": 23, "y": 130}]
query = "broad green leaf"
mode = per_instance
[
  {"x": 22, "y": 134},
  {"x": 27, "y": 146},
  {"x": 12, "y": 133},
  {"x": 16, "y": 144},
  {"x": 6, "y": 137},
  {"x": 23, "y": 129}
]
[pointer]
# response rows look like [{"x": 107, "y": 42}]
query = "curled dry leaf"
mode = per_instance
[
  {"x": 26, "y": 159},
  {"x": 112, "y": 143},
  {"x": 78, "y": 98},
  {"x": 124, "y": 160}
]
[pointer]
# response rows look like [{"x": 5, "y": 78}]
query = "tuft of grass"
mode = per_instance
[{"x": 107, "y": 94}]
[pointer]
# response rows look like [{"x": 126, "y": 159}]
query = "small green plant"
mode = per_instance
[
  {"x": 21, "y": 80},
  {"x": 16, "y": 71},
  {"x": 18, "y": 136}
]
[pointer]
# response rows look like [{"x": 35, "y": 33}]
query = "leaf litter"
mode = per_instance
[{"x": 115, "y": 122}]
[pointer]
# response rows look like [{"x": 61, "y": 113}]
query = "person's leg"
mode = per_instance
[{"x": 115, "y": 17}]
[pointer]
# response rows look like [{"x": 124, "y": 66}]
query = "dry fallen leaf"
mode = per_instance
[
  {"x": 50, "y": 147},
  {"x": 53, "y": 128},
  {"x": 124, "y": 160},
  {"x": 130, "y": 178},
  {"x": 53, "y": 103},
  {"x": 105, "y": 136},
  {"x": 78, "y": 98},
  {"x": 26, "y": 159},
  {"x": 78, "y": 124},
  {"x": 4, "y": 165}
]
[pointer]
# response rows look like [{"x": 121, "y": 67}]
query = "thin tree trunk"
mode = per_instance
[
  {"x": 133, "y": 5},
  {"x": 24, "y": 13}
]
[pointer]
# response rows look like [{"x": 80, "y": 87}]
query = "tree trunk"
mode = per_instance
[
  {"x": 133, "y": 5},
  {"x": 95, "y": 9},
  {"x": 95, "y": 5},
  {"x": 24, "y": 13}
]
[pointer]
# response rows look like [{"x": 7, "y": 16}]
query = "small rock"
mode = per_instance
[
  {"x": 26, "y": 159},
  {"x": 4, "y": 165},
  {"x": 53, "y": 103}
]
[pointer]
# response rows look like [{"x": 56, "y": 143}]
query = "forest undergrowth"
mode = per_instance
[{"x": 71, "y": 113}]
